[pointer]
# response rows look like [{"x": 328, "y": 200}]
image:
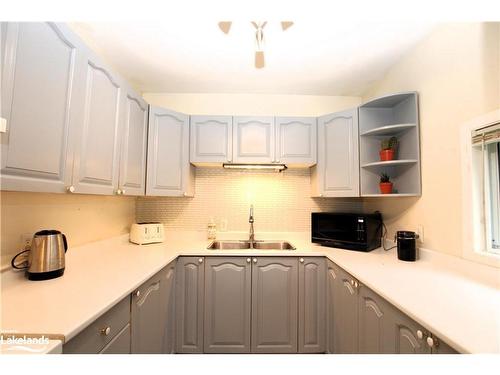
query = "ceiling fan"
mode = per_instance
[{"x": 225, "y": 27}]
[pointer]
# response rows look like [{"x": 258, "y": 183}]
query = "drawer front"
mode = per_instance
[
  {"x": 120, "y": 343},
  {"x": 93, "y": 339}
]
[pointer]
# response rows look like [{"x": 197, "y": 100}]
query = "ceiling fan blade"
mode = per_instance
[
  {"x": 255, "y": 24},
  {"x": 259, "y": 59},
  {"x": 225, "y": 26},
  {"x": 286, "y": 24}
]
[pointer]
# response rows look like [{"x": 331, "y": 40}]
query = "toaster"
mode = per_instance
[{"x": 146, "y": 233}]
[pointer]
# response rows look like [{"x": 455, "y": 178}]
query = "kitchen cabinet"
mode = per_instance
[
  {"x": 169, "y": 172},
  {"x": 337, "y": 172},
  {"x": 120, "y": 343},
  {"x": 169, "y": 290},
  {"x": 211, "y": 139},
  {"x": 253, "y": 140},
  {"x": 189, "y": 302},
  {"x": 274, "y": 305},
  {"x": 227, "y": 304},
  {"x": 331, "y": 281},
  {"x": 97, "y": 146},
  {"x": 132, "y": 177},
  {"x": 151, "y": 314},
  {"x": 312, "y": 307},
  {"x": 40, "y": 100},
  {"x": 404, "y": 335},
  {"x": 296, "y": 141}
]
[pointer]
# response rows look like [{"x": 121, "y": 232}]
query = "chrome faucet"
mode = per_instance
[{"x": 251, "y": 237}]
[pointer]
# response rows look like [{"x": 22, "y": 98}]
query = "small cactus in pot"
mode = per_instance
[
  {"x": 385, "y": 184},
  {"x": 388, "y": 148}
]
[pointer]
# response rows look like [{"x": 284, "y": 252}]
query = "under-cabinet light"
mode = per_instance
[{"x": 275, "y": 167}]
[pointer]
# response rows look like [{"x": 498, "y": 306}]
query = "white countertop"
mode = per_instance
[{"x": 457, "y": 300}]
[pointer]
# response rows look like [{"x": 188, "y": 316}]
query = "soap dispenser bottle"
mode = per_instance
[{"x": 211, "y": 229}]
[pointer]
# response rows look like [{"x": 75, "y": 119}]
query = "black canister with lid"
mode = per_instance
[{"x": 407, "y": 245}]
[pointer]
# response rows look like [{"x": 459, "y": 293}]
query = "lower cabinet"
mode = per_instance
[{"x": 120, "y": 343}]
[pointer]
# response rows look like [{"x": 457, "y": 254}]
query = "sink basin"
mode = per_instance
[{"x": 245, "y": 245}]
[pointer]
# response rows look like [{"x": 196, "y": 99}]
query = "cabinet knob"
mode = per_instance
[
  {"x": 105, "y": 331},
  {"x": 351, "y": 282},
  {"x": 248, "y": 260},
  {"x": 137, "y": 293},
  {"x": 420, "y": 334},
  {"x": 321, "y": 194},
  {"x": 200, "y": 260},
  {"x": 301, "y": 260},
  {"x": 122, "y": 191},
  {"x": 356, "y": 284},
  {"x": 118, "y": 192},
  {"x": 184, "y": 194},
  {"x": 254, "y": 260},
  {"x": 430, "y": 342},
  {"x": 70, "y": 189}
]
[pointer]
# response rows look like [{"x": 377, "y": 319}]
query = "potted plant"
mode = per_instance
[
  {"x": 388, "y": 149},
  {"x": 385, "y": 184}
]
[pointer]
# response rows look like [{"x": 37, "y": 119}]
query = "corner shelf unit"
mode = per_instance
[{"x": 392, "y": 115}]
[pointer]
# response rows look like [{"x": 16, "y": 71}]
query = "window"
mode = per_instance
[{"x": 486, "y": 188}]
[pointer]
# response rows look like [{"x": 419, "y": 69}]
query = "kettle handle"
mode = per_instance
[
  {"x": 65, "y": 243},
  {"x": 13, "y": 264}
]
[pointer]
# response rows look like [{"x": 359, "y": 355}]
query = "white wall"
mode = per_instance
[{"x": 456, "y": 71}]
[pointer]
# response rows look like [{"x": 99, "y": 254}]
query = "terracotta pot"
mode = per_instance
[
  {"x": 385, "y": 187},
  {"x": 386, "y": 155}
]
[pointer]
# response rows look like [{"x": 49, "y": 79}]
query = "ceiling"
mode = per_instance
[{"x": 323, "y": 53}]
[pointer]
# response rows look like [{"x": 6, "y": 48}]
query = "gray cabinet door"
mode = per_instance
[
  {"x": 227, "y": 305},
  {"x": 189, "y": 304},
  {"x": 169, "y": 290},
  {"x": 402, "y": 335},
  {"x": 372, "y": 322},
  {"x": 149, "y": 316},
  {"x": 253, "y": 140},
  {"x": 296, "y": 140},
  {"x": 274, "y": 305},
  {"x": 132, "y": 180},
  {"x": 169, "y": 172},
  {"x": 211, "y": 139},
  {"x": 96, "y": 163},
  {"x": 345, "y": 314},
  {"x": 120, "y": 344},
  {"x": 41, "y": 75},
  {"x": 332, "y": 278},
  {"x": 337, "y": 171},
  {"x": 312, "y": 307}
]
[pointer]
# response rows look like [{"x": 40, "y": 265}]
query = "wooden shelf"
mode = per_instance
[
  {"x": 389, "y": 129},
  {"x": 390, "y": 163}
]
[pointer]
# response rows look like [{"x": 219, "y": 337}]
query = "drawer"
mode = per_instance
[
  {"x": 93, "y": 339},
  {"x": 120, "y": 343}
]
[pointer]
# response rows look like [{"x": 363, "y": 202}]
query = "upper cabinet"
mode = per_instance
[
  {"x": 211, "y": 139},
  {"x": 169, "y": 172},
  {"x": 39, "y": 100},
  {"x": 337, "y": 171},
  {"x": 296, "y": 141},
  {"x": 132, "y": 180},
  {"x": 253, "y": 140}
]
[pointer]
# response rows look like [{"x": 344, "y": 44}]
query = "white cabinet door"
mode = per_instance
[
  {"x": 96, "y": 164},
  {"x": 296, "y": 140},
  {"x": 337, "y": 171},
  {"x": 211, "y": 139},
  {"x": 132, "y": 179},
  {"x": 253, "y": 140},
  {"x": 40, "y": 74},
  {"x": 169, "y": 172}
]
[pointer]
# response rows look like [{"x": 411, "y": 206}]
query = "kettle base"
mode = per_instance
[{"x": 35, "y": 276}]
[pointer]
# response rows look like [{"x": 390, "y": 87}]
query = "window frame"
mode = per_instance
[{"x": 474, "y": 241}]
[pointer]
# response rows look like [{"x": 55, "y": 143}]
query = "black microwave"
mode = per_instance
[{"x": 360, "y": 232}]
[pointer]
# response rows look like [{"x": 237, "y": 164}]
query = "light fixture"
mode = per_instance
[{"x": 268, "y": 167}]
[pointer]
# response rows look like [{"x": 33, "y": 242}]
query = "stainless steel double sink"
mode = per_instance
[{"x": 247, "y": 245}]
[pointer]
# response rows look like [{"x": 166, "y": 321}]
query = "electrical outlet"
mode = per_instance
[
  {"x": 26, "y": 240},
  {"x": 420, "y": 232},
  {"x": 223, "y": 225}
]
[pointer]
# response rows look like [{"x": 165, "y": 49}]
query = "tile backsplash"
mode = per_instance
[{"x": 281, "y": 202}]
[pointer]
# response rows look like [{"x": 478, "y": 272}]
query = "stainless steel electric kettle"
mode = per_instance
[{"x": 46, "y": 256}]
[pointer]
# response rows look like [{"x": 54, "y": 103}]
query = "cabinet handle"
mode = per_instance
[
  {"x": 254, "y": 260},
  {"x": 321, "y": 194},
  {"x": 352, "y": 282},
  {"x": 200, "y": 260},
  {"x": 118, "y": 192},
  {"x": 430, "y": 342},
  {"x": 105, "y": 331},
  {"x": 420, "y": 334},
  {"x": 248, "y": 260},
  {"x": 70, "y": 189},
  {"x": 137, "y": 293},
  {"x": 184, "y": 194},
  {"x": 301, "y": 260},
  {"x": 122, "y": 191}
]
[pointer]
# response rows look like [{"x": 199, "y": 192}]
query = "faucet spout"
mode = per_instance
[{"x": 251, "y": 237}]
